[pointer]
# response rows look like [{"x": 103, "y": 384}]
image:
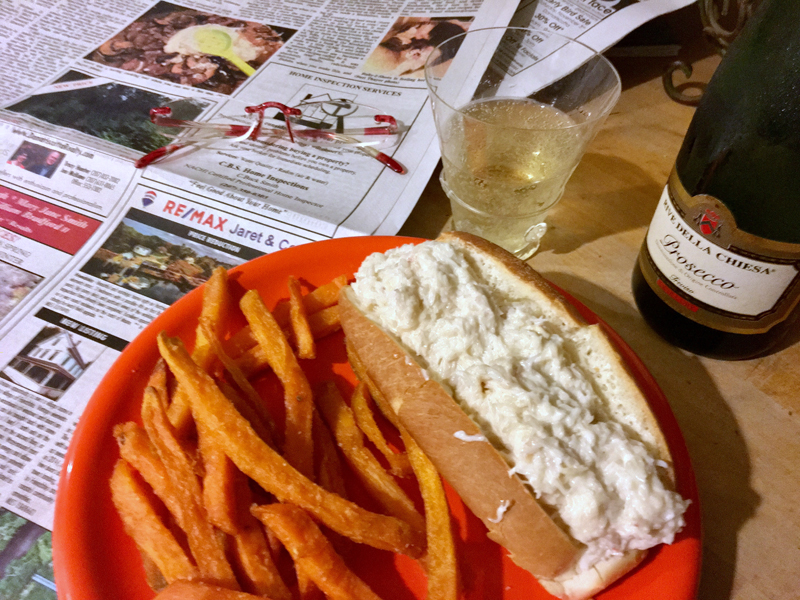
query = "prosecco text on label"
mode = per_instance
[{"x": 671, "y": 246}]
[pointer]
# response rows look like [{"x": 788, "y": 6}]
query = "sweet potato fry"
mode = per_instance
[
  {"x": 379, "y": 484},
  {"x": 320, "y": 306},
  {"x": 269, "y": 435},
  {"x": 323, "y": 297},
  {"x": 206, "y": 547},
  {"x": 360, "y": 403},
  {"x": 143, "y": 524},
  {"x": 152, "y": 574},
  {"x": 273, "y": 473},
  {"x": 196, "y": 590},
  {"x": 221, "y": 482},
  {"x": 255, "y": 411},
  {"x": 157, "y": 384},
  {"x": 299, "y": 444},
  {"x": 324, "y": 322},
  {"x": 136, "y": 449},
  {"x": 256, "y": 564},
  {"x": 330, "y": 474},
  {"x": 313, "y": 553},
  {"x": 179, "y": 414},
  {"x": 441, "y": 562},
  {"x": 240, "y": 342},
  {"x": 216, "y": 304},
  {"x": 158, "y": 380},
  {"x": 298, "y": 319},
  {"x": 169, "y": 450},
  {"x": 227, "y": 498},
  {"x": 253, "y": 359}
]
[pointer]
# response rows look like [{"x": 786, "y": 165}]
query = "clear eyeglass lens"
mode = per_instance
[{"x": 341, "y": 121}]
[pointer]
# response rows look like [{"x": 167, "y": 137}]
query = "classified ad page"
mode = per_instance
[
  {"x": 157, "y": 249},
  {"x": 58, "y": 199},
  {"x": 55, "y": 196},
  {"x": 44, "y": 227}
]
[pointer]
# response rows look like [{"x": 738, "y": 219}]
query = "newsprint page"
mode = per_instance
[{"x": 93, "y": 248}]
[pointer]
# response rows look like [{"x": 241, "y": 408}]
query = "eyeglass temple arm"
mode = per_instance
[
  {"x": 162, "y": 116},
  {"x": 385, "y": 159},
  {"x": 156, "y": 155},
  {"x": 388, "y": 129}
]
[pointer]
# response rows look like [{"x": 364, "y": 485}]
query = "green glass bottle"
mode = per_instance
[{"x": 719, "y": 270}]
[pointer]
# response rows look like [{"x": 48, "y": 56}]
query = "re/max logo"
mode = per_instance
[{"x": 190, "y": 213}]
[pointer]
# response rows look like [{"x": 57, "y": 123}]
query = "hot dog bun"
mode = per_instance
[{"x": 419, "y": 392}]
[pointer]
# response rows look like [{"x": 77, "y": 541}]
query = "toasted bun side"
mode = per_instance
[
  {"x": 581, "y": 586},
  {"x": 474, "y": 469},
  {"x": 590, "y": 345}
]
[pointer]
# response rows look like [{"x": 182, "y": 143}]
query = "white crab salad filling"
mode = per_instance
[{"x": 519, "y": 377}]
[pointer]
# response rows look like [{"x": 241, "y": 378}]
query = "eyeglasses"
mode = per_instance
[{"x": 327, "y": 123}]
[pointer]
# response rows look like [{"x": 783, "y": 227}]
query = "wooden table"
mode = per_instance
[{"x": 741, "y": 420}]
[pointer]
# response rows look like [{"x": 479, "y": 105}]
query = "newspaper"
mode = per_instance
[{"x": 92, "y": 248}]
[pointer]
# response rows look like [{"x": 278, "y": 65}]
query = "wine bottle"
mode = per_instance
[{"x": 719, "y": 271}]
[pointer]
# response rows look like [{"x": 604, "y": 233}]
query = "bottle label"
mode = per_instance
[{"x": 701, "y": 265}]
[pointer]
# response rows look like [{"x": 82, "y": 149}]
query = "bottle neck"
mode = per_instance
[{"x": 743, "y": 145}]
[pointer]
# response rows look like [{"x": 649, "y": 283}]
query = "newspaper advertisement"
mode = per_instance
[{"x": 93, "y": 248}]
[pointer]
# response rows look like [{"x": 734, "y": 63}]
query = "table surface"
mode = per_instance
[{"x": 740, "y": 419}]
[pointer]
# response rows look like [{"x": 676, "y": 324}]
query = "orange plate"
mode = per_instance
[{"x": 95, "y": 560}]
